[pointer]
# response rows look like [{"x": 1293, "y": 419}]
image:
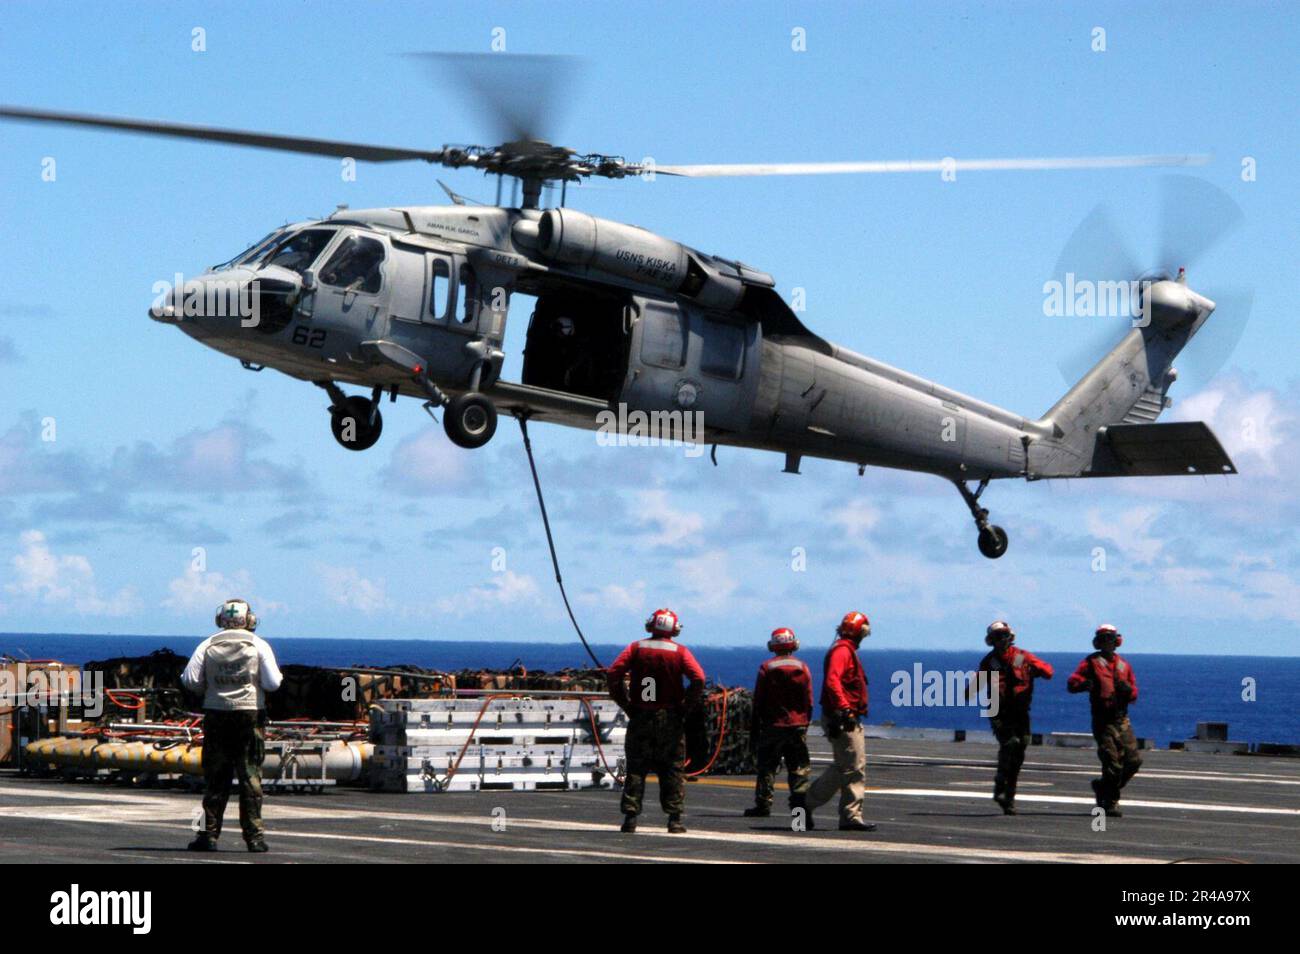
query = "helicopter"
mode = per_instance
[{"x": 413, "y": 301}]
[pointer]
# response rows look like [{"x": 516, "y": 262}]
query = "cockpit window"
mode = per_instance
[
  {"x": 355, "y": 265},
  {"x": 297, "y": 252},
  {"x": 253, "y": 251}
]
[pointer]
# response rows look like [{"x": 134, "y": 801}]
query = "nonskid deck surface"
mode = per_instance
[{"x": 930, "y": 799}]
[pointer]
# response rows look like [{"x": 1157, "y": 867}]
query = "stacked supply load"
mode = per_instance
[{"x": 495, "y": 743}]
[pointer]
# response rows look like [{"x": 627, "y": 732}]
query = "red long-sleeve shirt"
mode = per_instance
[
  {"x": 655, "y": 669},
  {"x": 844, "y": 684},
  {"x": 783, "y": 693},
  {"x": 1098, "y": 677}
]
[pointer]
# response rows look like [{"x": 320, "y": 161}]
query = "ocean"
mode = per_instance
[{"x": 1175, "y": 692}]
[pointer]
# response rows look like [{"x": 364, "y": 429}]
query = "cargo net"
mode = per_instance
[{"x": 717, "y": 734}]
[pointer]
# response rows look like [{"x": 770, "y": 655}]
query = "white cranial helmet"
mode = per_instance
[{"x": 236, "y": 614}]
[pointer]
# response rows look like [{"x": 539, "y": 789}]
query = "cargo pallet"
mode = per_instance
[{"x": 497, "y": 744}]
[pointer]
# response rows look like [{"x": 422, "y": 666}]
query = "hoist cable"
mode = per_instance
[{"x": 550, "y": 540}]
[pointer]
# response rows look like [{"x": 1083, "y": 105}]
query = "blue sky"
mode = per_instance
[{"x": 162, "y": 446}]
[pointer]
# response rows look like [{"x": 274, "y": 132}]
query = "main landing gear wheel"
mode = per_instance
[
  {"x": 356, "y": 423},
  {"x": 470, "y": 420},
  {"x": 992, "y": 539}
]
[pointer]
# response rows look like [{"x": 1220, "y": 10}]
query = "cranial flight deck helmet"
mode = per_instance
[
  {"x": 663, "y": 622},
  {"x": 236, "y": 614},
  {"x": 1105, "y": 633},
  {"x": 782, "y": 641}
]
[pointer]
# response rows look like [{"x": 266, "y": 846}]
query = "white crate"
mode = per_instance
[{"x": 514, "y": 744}]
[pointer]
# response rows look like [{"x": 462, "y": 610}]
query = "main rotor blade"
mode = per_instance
[
  {"x": 315, "y": 147},
  {"x": 926, "y": 165},
  {"x": 521, "y": 93}
]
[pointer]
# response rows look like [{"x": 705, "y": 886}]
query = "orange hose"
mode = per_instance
[
  {"x": 113, "y": 698},
  {"x": 722, "y": 731},
  {"x": 600, "y": 749},
  {"x": 451, "y": 769}
]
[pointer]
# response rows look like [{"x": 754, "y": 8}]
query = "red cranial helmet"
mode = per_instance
[
  {"x": 663, "y": 622},
  {"x": 854, "y": 626},
  {"x": 782, "y": 641},
  {"x": 999, "y": 629}
]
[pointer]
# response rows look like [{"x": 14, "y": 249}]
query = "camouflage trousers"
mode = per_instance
[
  {"x": 656, "y": 742},
  {"x": 234, "y": 745},
  {"x": 1013, "y": 735},
  {"x": 1117, "y": 749},
  {"x": 773, "y": 744}
]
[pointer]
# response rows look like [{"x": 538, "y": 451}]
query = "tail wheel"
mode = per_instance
[
  {"x": 350, "y": 422},
  {"x": 470, "y": 420},
  {"x": 992, "y": 541}
]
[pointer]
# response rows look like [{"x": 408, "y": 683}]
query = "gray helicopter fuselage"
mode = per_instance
[{"x": 688, "y": 333}]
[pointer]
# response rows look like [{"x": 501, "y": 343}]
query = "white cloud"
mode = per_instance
[
  {"x": 1251, "y": 424},
  {"x": 427, "y": 463},
  {"x": 66, "y": 580},
  {"x": 617, "y": 597},
  {"x": 345, "y": 586},
  {"x": 670, "y": 527},
  {"x": 507, "y": 588},
  {"x": 706, "y": 580},
  {"x": 858, "y": 518},
  {"x": 1130, "y": 530},
  {"x": 203, "y": 592}
]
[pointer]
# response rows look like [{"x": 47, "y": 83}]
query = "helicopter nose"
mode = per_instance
[
  {"x": 166, "y": 307},
  {"x": 212, "y": 302}
]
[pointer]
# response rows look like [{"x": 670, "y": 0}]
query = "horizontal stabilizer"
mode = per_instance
[{"x": 1158, "y": 450}]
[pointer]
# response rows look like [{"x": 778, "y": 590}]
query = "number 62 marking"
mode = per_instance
[{"x": 302, "y": 335}]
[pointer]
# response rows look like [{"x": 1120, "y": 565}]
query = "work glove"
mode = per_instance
[{"x": 842, "y": 721}]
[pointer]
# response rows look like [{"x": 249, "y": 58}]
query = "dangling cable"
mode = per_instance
[{"x": 550, "y": 541}]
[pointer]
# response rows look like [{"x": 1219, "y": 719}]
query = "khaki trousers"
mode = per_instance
[{"x": 847, "y": 774}]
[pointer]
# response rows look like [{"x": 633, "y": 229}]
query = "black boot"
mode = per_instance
[
  {"x": 629, "y": 824},
  {"x": 257, "y": 845},
  {"x": 857, "y": 826},
  {"x": 202, "y": 842},
  {"x": 675, "y": 826},
  {"x": 758, "y": 811}
]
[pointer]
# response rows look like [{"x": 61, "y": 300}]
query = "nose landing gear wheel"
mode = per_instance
[
  {"x": 353, "y": 425},
  {"x": 470, "y": 420},
  {"x": 992, "y": 541}
]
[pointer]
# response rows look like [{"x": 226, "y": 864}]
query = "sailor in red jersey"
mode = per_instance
[
  {"x": 1015, "y": 670},
  {"x": 646, "y": 681},
  {"x": 844, "y": 702},
  {"x": 1111, "y": 688},
  {"x": 778, "y": 728}
]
